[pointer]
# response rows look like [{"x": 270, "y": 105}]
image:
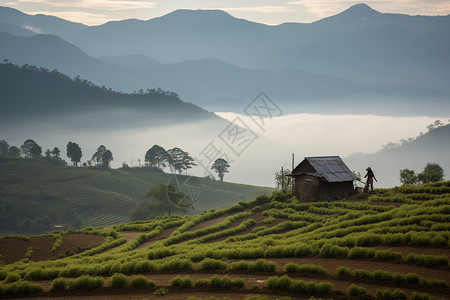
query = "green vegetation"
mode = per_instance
[
  {"x": 239, "y": 241},
  {"x": 36, "y": 194}
]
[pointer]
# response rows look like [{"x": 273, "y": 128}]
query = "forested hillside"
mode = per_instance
[{"x": 36, "y": 195}]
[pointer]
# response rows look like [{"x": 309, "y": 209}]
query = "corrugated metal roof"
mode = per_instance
[{"x": 331, "y": 168}]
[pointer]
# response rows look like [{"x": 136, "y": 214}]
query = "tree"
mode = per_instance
[
  {"x": 30, "y": 149},
  {"x": 14, "y": 151},
  {"x": 408, "y": 176},
  {"x": 102, "y": 157},
  {"x": 167, "y": 199},
  {"x": 220, "y": 166},
  {"x": 157, "y": 157},
  {"x": 74, "y": 153},
  {"x": 284, "y": 182},
  {"x": 107, "y": 157},
  {"x": 432, "y": 172},
  {"x": 56, "y": 152},
  {"x": 97, "y": 157},
  {"x": 4, "y": 148},
  {"x": 48, "y": 153},
  {"x": 180, "y": 160}
]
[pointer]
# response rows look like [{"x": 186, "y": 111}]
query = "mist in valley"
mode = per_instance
[{"x": 129, "y": 134}]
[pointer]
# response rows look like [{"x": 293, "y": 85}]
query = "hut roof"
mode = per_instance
[{"x": 329, "y": 168}]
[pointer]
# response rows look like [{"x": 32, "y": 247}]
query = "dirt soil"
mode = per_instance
[{"x": 12, "y": 250}]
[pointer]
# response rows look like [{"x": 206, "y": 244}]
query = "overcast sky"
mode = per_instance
[{"x": 272, "y": 12}]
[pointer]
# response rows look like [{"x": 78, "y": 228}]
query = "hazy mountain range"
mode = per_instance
[
  {"x": 359, "y": 61},
  {"x": 414, "y": 155}
]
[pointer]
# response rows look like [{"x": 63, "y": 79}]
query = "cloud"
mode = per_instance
[
  {"x": 95, "y": 4},
  {"x": 78, "y": 17},
  {"x": 261, "y": 9},
  {"x": 325, "y": 8}
]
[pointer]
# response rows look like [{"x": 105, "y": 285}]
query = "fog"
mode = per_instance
[{"x": 269, "y": 148}]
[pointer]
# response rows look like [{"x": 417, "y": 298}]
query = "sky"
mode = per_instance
[{"x": 271, "y": 12}]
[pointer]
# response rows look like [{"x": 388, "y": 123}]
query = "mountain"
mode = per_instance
[
  {"x": 132, "y": 61},
  {"x": 430, "y": 147},
  {"x": 220, "y": 86},
  {"x": 39, "y": 23},
  {"x": 355, "y": 58},
  {"x": 31, "y": 94},
  {"x": 15, "y": 30}
]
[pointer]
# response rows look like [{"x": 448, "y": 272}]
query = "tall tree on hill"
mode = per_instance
[
  {"x": 180, "y": 160},
  {"x": 74, "y": 153},
  {"x": 56, "y": 152},
  {"x": 432, "y": 172},
  {"x": 14, "y": 151},
  {"x": 4, "y": 148},
  {"x": 220, "y": 166},
  {"x": 30, "y": 149},
  {"x": 102, "y": 156},
  {"x": 157, "y": 157}
]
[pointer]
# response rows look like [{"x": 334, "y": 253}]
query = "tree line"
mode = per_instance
[
  {"x": 157, "y": 157},
  {"x": 432, "y": 172}
]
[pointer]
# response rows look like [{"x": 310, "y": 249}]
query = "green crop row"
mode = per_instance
[
  {"x": 173, "y": 239},
  {"x": 398, "y": 278},
  {"x": 284, "y": 283},
  {"x": 260, "y": 265},
  {"x": 58, "y": 241},
  {"x": 20, "y": 287},
  {"x": 310, "y": 269},
  {"x": 142, "y": 238}
]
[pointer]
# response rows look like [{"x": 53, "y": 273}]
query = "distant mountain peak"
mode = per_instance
[
  {"x": 360, "y": 9},
  {"x": 199, "y": 13}
]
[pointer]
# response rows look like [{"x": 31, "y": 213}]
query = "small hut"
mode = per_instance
[{"x": 323, "y": 178}]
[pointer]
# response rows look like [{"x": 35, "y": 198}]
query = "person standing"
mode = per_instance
[{"x": 370, "y": 177}]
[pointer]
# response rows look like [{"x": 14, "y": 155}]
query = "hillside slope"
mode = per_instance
[
  {"x": 392, "y": 245},
  {"x": 31, "y": 189},
  {"x": 414, "y": 155}
]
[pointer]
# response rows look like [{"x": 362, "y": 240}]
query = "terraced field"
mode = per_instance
[
  {"x": 268, "y": 248},
  {"x": 100, "y": 197}
]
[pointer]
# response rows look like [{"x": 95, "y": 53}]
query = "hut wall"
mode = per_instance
[{"x": 311, "y": 188}]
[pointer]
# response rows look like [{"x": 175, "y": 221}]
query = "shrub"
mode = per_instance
[
  {"x": 382, "y": 275},
  {"x": 141, "y": 281},
  {"x": 420, "y": 296},
  {"x": 397, "y": 294},
  {"x": 331, "y": 251},
  {"x": 180, "y": 282},
  {"x": 312, "y": 269},
  {"x": 412, "y": 278},
  {"x": 3, "y": 275},
  {"x": 262, "y": 265},
  {"x": 298, "y": 286},
  {"x": 202, "y": 283},
  {"x": 344, "y": 272},
  {"x": 363, "y": 274},
  {"x": 427, "y": 260},
  {"x": 388, "y": 255},
  {"x": 59, "y": 284},
  {"x": 176, "y": 265},
  {"x": 86, "y": 282},
  {"x": 20, "y": 288},
  {"x": 324, "y": 288},
  {"x": 240, "y": 266},
  {"x": 12, "y": 277},
  {"x": 354, "y": 290},
  {"x": 358, "y": 253},
  {"x": 209, "y": 264},
  {"x": 119, "y": 280}
]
